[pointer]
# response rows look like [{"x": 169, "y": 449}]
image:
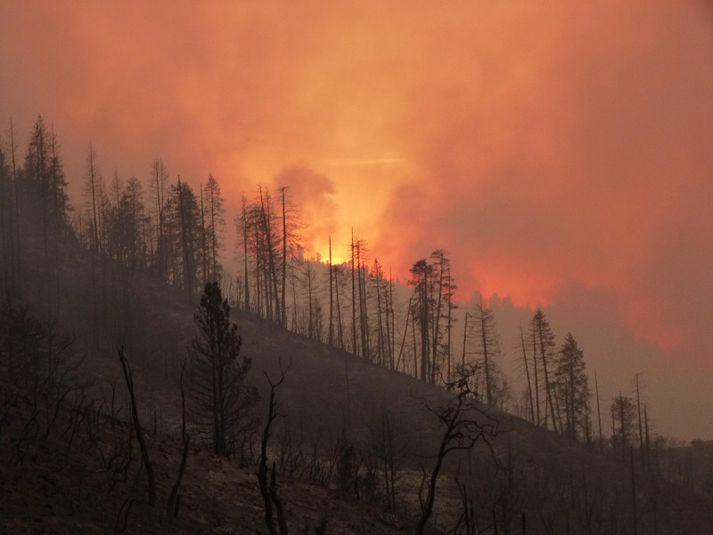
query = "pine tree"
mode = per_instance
[
  {"x": 623, "y": 414},
  {"x": 218, "y": 371},
  {"x": 215, "y": 224},
  {"x": 184, "y": 223},
  {"x": 58, "y": 206},
  {"x": 93, "y": 191},
  {"x": 127, "y": 226},
  {"x": 422, "y": 272},
  {"x": 543, "y": 342},
  {"x": 572, "y": 388},
  {"x": 36, "y": 183}
]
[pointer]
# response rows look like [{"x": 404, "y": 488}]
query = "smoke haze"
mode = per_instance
[{"x": 561, "y": 154}]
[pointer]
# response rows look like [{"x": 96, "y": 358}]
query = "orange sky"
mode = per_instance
[{"x": 554, "y": 152}]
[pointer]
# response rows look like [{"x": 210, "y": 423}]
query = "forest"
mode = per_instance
[{"x": 167, "y": 366}]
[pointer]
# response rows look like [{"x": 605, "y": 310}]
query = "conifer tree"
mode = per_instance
[
  {"x": 543, "y": 341},
  {"x": 93, "y": 190},
  {"x": 488, "y": 350},
  {"x": 215, "y": 223},
  {"x": 7, "y": 259},
  {"x": 218, "y": 371},
  {"x": 184, "y": 218},
  {"x": 421, "y": 272},
  {"x": 572, "y": 386},
  {"x": 623, "y": 415}
]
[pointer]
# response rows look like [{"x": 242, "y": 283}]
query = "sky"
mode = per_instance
[{"x": 560, "y": 152}]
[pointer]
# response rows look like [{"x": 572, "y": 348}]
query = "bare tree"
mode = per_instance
[
  {"x": 285, "y": 238},
  {"x": 243, "y": 222},
  {"x": 267, "y": 477},
  {"x": 159, "y": 180},
  {"x": 623, "y": 414},
  {"x": 531, "y": 402},
  {"x": 353, "y": 272},
  {"x": 488, "y": 349},
  {"x": 464, "y": 426},
  {"x": 544, "y": 340},
  {"x": 599, "y": 412},
  {"x": 148, "y": 465}
]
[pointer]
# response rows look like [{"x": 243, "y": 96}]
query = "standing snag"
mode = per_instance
[
  {"x": 148, "y": 465},
  {"x": 267, "y": 478},
  {"x": 465, "y": 425}
]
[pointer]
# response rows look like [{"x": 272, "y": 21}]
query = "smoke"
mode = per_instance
[
  {"x": 559, "y": 151},
  {"x": 311, "y": 194},
  {"x": 584, "y": 159}
]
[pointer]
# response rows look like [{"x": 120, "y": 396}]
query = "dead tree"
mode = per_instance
[
  {"x": 174, "y": 499},
  {"x": 266, "y": 477},
  {"x": 633, "y": 493},
  {"x": 403, "y": 338},
  {"x": 599, "y": 413},
  {"x": 489, "y": 348},
  {"x": 284, "y": 259},
  {"x": 330, "y": 337},
  {"x": 363, "y": 305},
  {"x": 340, "y": 330},
  {"x": 439, "y": 271},
  {"x": 246, "y": 275},
  {"x": 543, "y": 337},
  {"x": 182, "y": 386},
  {"x": 527, "y": 375},
  {"x": 467, "y": 522},
  {"x": 353, "y": 269},
  {"x": 129, "y": 378},
  {"x": 463, "y": 430}
]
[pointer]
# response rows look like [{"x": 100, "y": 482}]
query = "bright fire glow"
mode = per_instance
[{"x": 543, "y": 152}]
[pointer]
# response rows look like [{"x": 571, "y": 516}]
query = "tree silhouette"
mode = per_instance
[
  {"x": 215, "y": 221},
  {"x": 421, "y": 272},
  {"x": 543, "y": 345},
  {"x": 572, "y": 384},
  {"x": 218, "y": 372}
]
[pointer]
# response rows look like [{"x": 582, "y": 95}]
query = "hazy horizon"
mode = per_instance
[{"x": 558, "y": 164}]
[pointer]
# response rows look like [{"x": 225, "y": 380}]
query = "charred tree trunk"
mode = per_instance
[
  {"x": 129, "y": 378},
  {"x": 267, "y": 480},
  {"x": 284, "y": 258},
  {"x": 330, "y": 336},
  {"x": 599, "y": 413},
  {"x": 527, "y": 375},
  {"x": 246, "y": 275},
  {"x": 353, "y": 266}
]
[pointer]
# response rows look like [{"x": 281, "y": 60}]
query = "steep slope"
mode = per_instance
[
  {"x": 338, "y": 409},
  {"x": 62, "y": 486}
]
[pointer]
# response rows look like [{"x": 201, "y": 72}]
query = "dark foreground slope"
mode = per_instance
[
  {"x": 337, "y": 414},
  {"x": 66, "y": 485}
]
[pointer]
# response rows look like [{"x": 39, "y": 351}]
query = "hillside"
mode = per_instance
[
  {"x": 48, "y": 486},
  {"x": 330, "y": 403}
]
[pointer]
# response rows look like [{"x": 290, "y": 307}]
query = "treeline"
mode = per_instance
[
  {"x": 160, "y": 226},
  {"x": 175, "y": 232}
]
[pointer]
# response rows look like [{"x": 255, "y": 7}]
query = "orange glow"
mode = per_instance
[{"x": 539, "y": 145}]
